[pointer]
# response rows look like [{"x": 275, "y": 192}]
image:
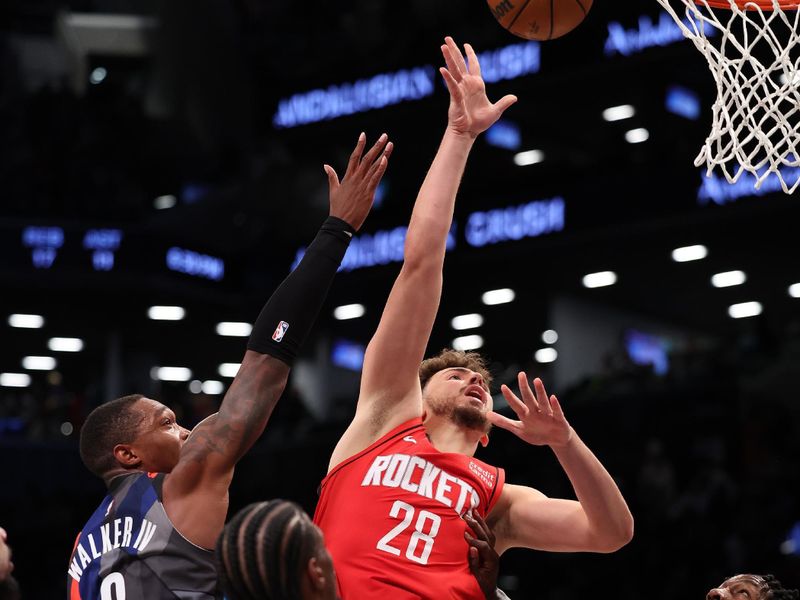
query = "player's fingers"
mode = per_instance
[
  {"x": 450, "y": 62},
  {"x": 527, "y": 394},
  {"x": 478, "y": 525},
  {"x": 452, "y": 86},
  {"x": 355, "y": 156},
  {"x": 503, "y": 422},
  {"x": 473, "y": 65},
  {"x": 474, "y": 558},
  {"x": 541, "y": 397},
  {"x": 555, "y": 405},
  {"x": 376, "y": 164},
  {"x": 333, "y": 178},
  {"x": 517, "y": 405},
  {"x": 456, "y": 55},
  {"x": 504, "y": 102},
  {"x": 377, "y": 174},
  {"x": 375, "y": 151}
]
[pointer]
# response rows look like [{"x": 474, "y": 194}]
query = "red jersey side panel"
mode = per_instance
[{"x": 391, "y": 516}]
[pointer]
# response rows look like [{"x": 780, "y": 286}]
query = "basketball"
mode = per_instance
[{"x": 539, "y": 19}]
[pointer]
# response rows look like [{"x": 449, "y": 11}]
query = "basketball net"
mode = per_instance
[{"x": 751, "y": 50}]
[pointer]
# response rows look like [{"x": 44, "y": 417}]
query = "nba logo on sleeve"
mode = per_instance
[{"x": 280, "y": 331}]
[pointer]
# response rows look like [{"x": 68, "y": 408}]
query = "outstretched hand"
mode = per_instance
[
  {"x": 351, "y": 198},
  {"x": 484, "y": 562},
  {"x": 541, "y": 421},
  {"x": 470, "y": 111}
]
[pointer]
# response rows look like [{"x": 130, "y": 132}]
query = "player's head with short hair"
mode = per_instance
[
  {"x": 273, "y": 551},
  {"x": 455, "y": 385},
  {"x": 755, "y": 587},
  {"x": 131, "y": 433}
]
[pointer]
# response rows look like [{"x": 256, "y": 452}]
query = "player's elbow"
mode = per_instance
[{"x": 614, "y": 538}]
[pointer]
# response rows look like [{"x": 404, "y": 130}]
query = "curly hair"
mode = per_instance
[{"x": 447, "y": 359}]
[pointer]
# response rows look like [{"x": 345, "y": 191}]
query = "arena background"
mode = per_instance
[{"x": 170, "y": 153}]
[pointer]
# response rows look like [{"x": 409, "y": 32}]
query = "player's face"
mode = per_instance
[
  {"x": 461, "y": 394},
  {"x": 160, "y": 438},
  {"x": 740, "y": 587}
]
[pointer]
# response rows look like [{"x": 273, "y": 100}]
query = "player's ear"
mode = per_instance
[
  {"x": 126, "y": 456},
  {"x": 484, "y": 440},
  {"x": 316, "y": 575}
]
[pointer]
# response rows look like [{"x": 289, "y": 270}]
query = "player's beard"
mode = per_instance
[{"x": 466, "y": 416}]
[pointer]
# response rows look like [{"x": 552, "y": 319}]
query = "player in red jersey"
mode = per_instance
[{"x": 403, "y": 473}]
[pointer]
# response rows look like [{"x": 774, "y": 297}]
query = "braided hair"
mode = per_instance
[
  {"x": 777, "y": 591},
  {"x": 263, "y": 550}
]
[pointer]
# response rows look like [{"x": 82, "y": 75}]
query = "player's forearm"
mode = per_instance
[
  {"x": 433, "y": 210},
  {"x": 610, "y": 521}
]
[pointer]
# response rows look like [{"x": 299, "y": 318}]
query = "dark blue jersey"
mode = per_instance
[{"x": 130, "y": 550}]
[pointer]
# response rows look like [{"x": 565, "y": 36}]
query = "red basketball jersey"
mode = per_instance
[{"x": 391, "y": 516}]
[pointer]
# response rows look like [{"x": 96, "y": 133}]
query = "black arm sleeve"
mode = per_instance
[{"x": 287, "y": 317}]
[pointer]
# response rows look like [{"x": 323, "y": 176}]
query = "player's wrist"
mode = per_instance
[{"x": 567, "y": 442}]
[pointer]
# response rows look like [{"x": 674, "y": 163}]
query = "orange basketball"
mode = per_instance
[{"x": 539, "y": 19}]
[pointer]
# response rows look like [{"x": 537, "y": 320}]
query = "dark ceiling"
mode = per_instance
[{"x": 192, "y": 116}]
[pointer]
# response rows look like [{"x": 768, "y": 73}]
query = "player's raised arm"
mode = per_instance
[
  {"x": 599, "y": 521},
  {"x": 390, "y": 391},
  {"x": 196, "y": 491}
]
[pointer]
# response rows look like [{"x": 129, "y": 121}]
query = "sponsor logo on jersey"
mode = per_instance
[
  {"x": 280, "y": 331},
  {"x": 410, "y": 438},
  {"x": 485, "y": 476},
  {"x": 416, "y": 475}
]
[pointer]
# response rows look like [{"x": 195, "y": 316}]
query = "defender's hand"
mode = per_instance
[
  {"x": 470, "y": 111},
  {"x": 484, "y": 562},
  {"x": 351, "y": 198},
  {"x": 542, "y": 423}
]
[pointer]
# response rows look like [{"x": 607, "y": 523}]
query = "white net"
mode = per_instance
[{"x": 754, "y": 56}]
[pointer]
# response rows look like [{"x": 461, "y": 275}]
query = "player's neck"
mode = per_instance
[{"x": 447, "y": 436}]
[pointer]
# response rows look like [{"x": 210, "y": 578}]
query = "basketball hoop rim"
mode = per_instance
[{"x": 743, "y": 4}]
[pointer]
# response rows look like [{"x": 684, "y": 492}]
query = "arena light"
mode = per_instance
[
  {"x": 65, "y": 344},
  {"x": 745, "y": 309},
  {"x": 467, "y": 342},
  {"x": 529, "y": 157},
  {"x": 39, "y": 363},
  {"x": 499, "y": 296},
  {"x": 599, "y": 279},
  {"x": 794, "y": 290},
  {"x": 166, "y": 313},
  {"x": 618, "y": 113},
  {"x": 234, "y": 329},
  {"x": 470, "y": 321},
  {"x": 171, "y": 373},
  {"x": 728, "y": 279},
  {"x": 213, "y": 387},
  {"x": 348, "y": 311},
  {"x": 550, "y": 336},
  {"x": 228, "y": 369},
  {"x": 546, "y": 355},
  {"x": 164, "y": 202},
  {"x": 689, "y": 253},
  {"x": 637, "y": 136},
  {"x": 24, "y": 321},
  {"x": 15, "y": 380}
]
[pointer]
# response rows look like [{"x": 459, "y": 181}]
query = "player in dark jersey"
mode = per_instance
[
  {"x": 151, "y": 537},
  {"x": 404, "y": 469},
  {"x": 752, "y": 587}
]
